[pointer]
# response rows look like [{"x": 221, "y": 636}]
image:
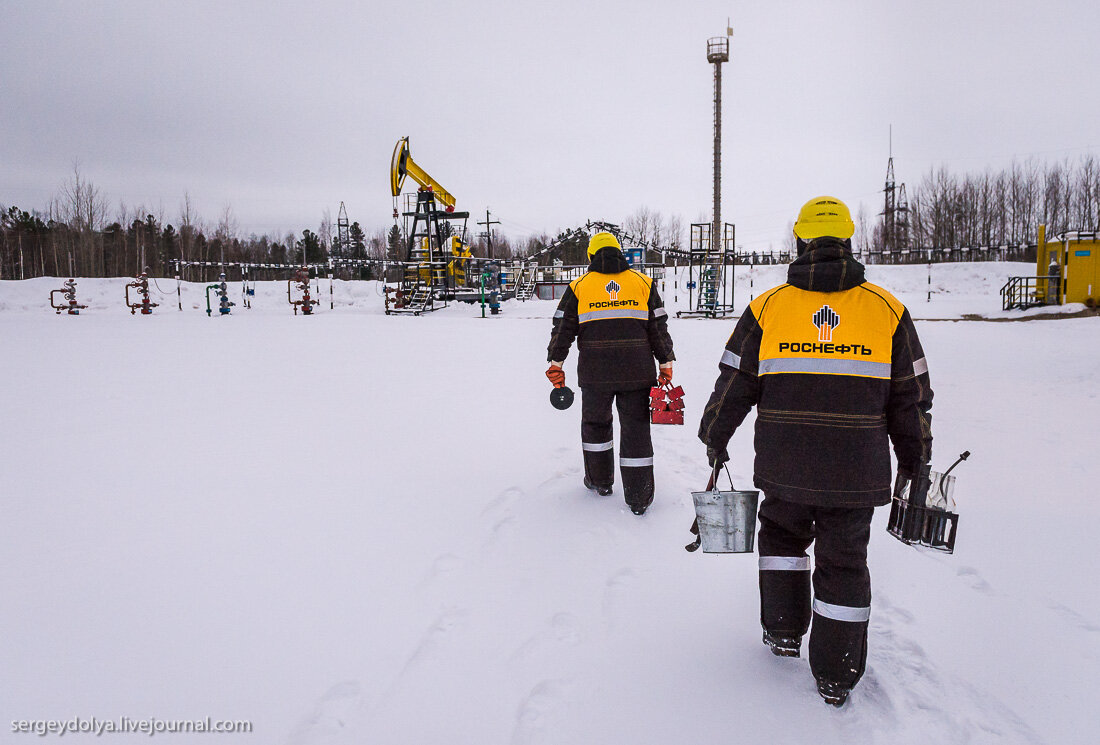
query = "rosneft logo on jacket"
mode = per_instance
[
  {"x": 826, "y": 320},
  {"x": 605, "y": 296},
  {"x": 859, "y": 346}
]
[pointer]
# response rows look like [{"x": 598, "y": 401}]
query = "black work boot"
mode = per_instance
[
  {"x": 783, "y": 645},
  {"x": 833, "y": 693},
  {"x": 636, "y": 505},
  {"x": 603, "y": 491}
]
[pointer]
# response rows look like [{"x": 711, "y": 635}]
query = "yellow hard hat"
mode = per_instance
[
  {"x": 823, "y": 216},
  {"x": 600, "y": 240}
]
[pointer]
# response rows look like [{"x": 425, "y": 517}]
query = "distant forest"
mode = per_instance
[
  {"x": 79, "y": 234},
  {"x": 998, "y": 208}
]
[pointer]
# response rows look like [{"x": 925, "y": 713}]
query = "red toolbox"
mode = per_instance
[{"x": 666, "y": 404}]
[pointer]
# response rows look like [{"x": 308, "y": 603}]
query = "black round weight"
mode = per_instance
[{"x": 561, "y": 398}]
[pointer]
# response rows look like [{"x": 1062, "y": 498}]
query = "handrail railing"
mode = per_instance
[{"x": 1029, "y": 292}]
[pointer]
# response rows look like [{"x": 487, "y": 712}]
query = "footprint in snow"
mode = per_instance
[
  {"x": 562, "y": 629},
  {"x": 499, "y": 531},
  {"x": 1074, "y": 617},
  {"x": 443, "y": 566},
  {"x": 871, "y": 693},
  {"x": 617, "y": 589},
  {"x": 562, "y": 474},
  {"x": 331, "y": 715},
  {"x": 430, "y": 641},
  {"x": 895, "y": 612},
  {"x": 539, "y": 713},
  {"x": 504, "y": 499},
  {"x": 905, "y": 684},
  {"x": 593, "y": 540},
  {"x": 975, "y": 580}
]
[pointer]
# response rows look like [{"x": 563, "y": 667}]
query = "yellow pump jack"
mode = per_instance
[
  {"x": 435, "y": 260},
  {"x": 402, "y": 165}
]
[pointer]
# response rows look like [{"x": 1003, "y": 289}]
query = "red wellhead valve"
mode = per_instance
[
  {"x": 68, "y": 291},
  {"x": 141, "y": 284}
]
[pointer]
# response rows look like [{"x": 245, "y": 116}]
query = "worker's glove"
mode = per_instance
[
  {"x": 716, "y": 456},
  {"x": 556, "y": 375},
  {"x": 665, "y": 376},
  {"x": 911, "y": 470}
]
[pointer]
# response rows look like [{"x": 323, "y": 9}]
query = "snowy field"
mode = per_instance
[{"x": 359, "y": 529}]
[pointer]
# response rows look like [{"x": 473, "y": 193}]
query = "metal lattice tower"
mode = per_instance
[
  {"x": 895, "y": 212},
  {"x": 889, "y": 209},
  {"x": 343, "y": 233},
  {"x": 901, "y": 220},
  {"x": 712, "y": 245},
  {"x": 718, "y": 51}
]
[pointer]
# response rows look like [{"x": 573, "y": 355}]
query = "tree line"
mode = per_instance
[
  {"x": 78, "y": 234},
  {"x": 995, "y": 209}
]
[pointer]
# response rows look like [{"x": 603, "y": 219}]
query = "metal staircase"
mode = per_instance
[
  {"x": 711, "y": 258},
  {"x": 710, "y": 281},
  {"x": 419, "y": 297},
  {"x": 525, "y": 282},
  {"x": 1029, "y": 292}
]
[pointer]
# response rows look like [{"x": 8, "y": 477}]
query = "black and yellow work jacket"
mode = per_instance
[
  {"x": 836, "y": 371},
  {"x": 620, "y": 324}
]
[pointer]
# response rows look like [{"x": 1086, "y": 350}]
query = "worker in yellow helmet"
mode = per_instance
[
  {"x": 836, "y": 371},
  {"x": 620, "y": 324}
]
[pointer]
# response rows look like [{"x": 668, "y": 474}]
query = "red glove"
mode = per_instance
[
  {"x": 665, "y": 376},
  {"x": 556, "y": 376}
]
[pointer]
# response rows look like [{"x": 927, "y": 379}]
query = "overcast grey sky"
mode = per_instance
[{"x": 549, "y": 113}]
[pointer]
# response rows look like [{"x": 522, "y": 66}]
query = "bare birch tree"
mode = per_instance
[
  {"x": 227, "y": 228},
  {"x": 84, "y": 209}
]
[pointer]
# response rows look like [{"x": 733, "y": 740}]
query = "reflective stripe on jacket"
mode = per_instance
[
  {"x": 620, "y": 324},
  {"x": 837, "y": 376}
]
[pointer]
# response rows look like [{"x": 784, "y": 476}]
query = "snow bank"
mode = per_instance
[{"x": 956, "y": 290}]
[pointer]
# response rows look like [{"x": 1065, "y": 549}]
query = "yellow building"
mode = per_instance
[{"x": 1074, "y": 258}]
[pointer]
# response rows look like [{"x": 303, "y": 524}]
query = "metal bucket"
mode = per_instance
[{"x": 726, "y": 520}]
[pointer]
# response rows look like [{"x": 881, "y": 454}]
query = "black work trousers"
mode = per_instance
[
  {"x": 841, "y": 603},
  {"x": 635, "y": 450}
]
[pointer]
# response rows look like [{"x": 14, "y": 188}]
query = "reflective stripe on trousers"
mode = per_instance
[
  {"x": 635, "y": 446},
  {"x": 784, "y": 563},
  {"x": 841, "y": 612},
  {"x": 598, "y": 447},
  {"x": 841, "y": 584}
]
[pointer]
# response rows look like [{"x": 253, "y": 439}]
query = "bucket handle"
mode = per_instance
[{"x": 712, "y": 484}]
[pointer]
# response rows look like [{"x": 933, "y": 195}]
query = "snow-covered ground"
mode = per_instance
[{"x": 354, "y": 528}]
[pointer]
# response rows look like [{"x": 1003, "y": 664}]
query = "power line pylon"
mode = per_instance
[
  {"x": 343, "y": 234},
  {"x": 895, "y": 212}
]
